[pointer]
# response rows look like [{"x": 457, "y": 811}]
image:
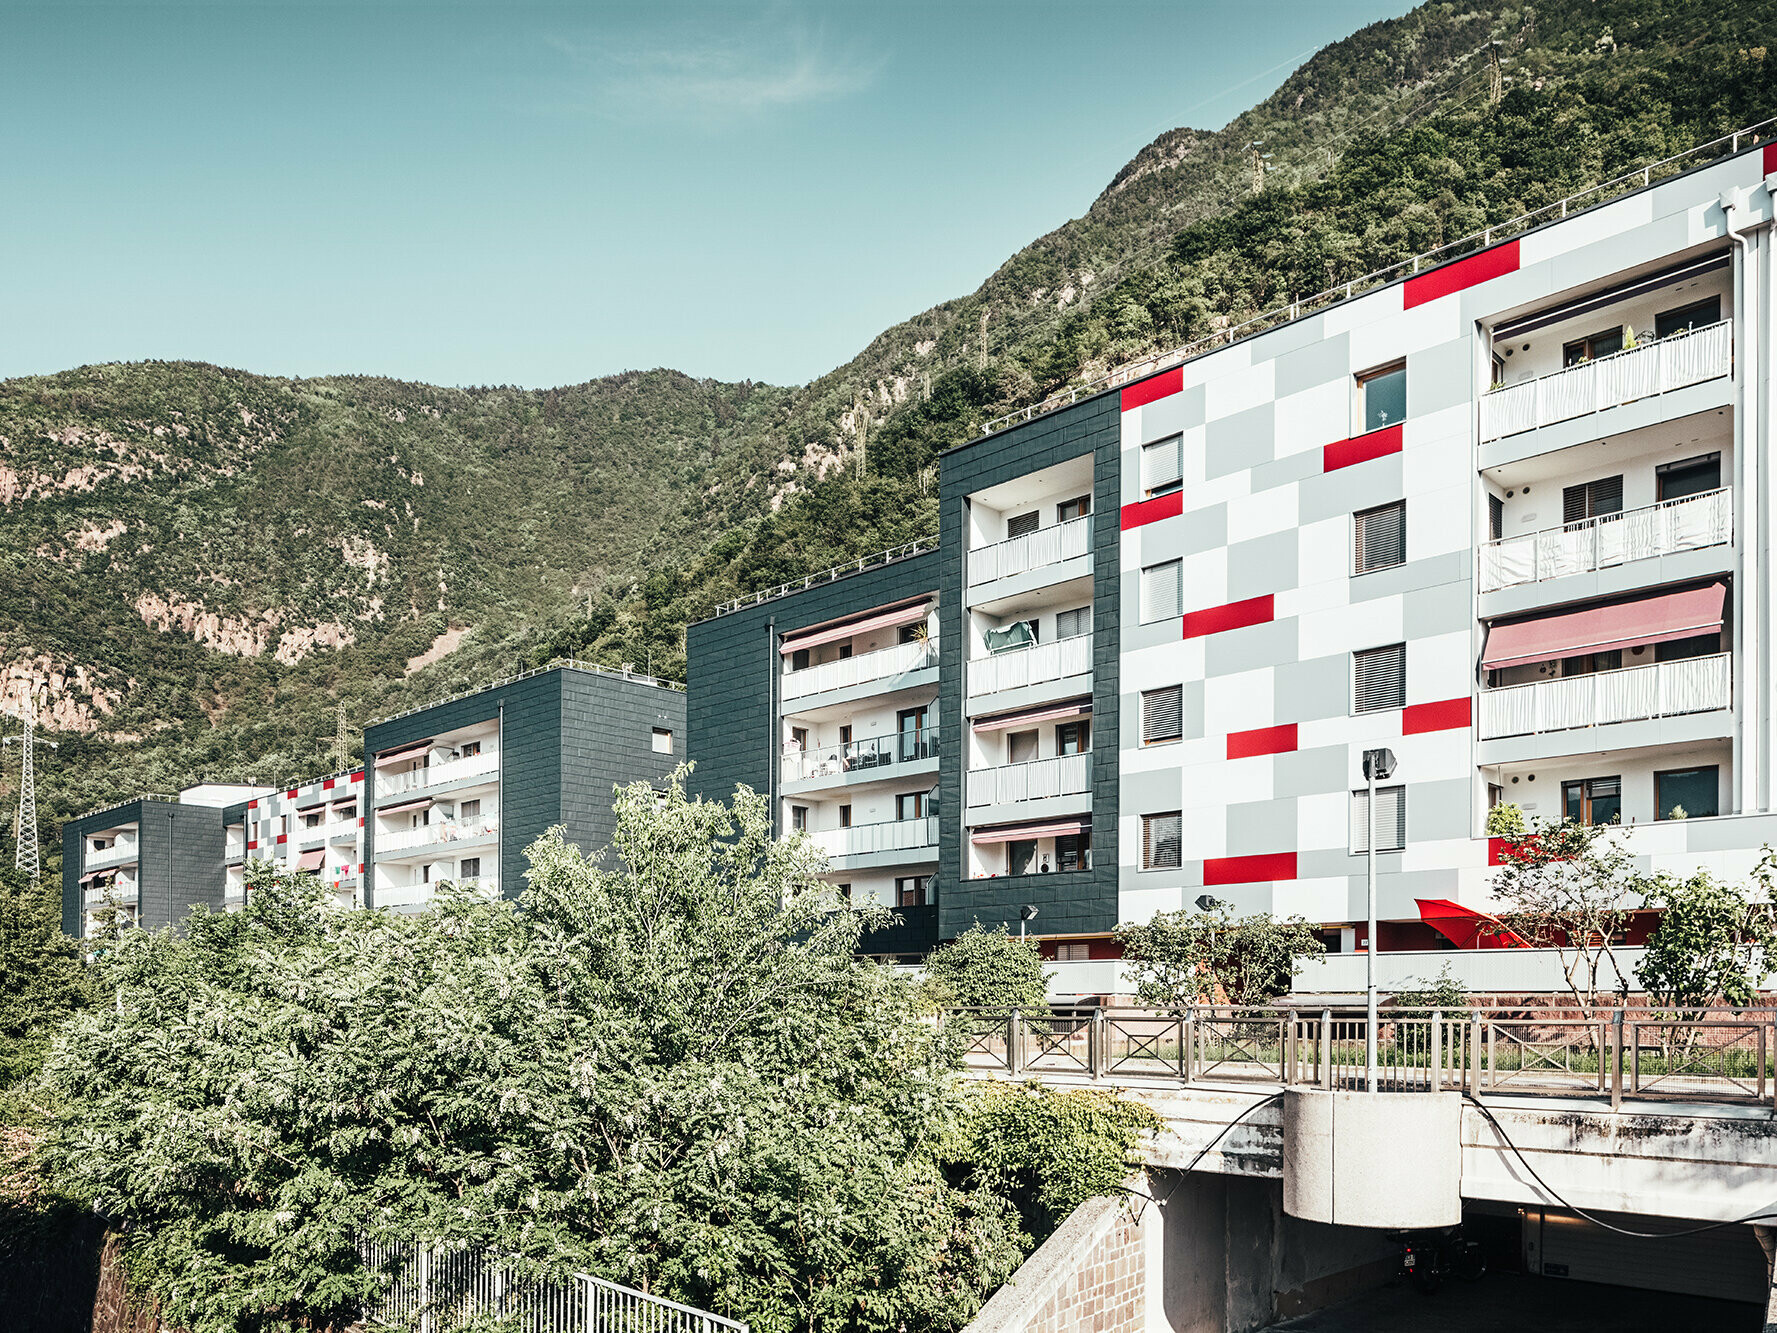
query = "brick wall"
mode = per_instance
[{"x": 1089, "y": 1277}]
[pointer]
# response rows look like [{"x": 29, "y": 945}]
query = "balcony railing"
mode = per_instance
[
  {"x": 1064, "y": 775},
  {"x": 860, "y": 757},
  {"x": 451, "y": 770},
  {"x": 1664, "y": 689},
  {"x": 893, "y": 835},
  {"x": 1639, "y": 372},
  {"x": 1031, "y": 666},
  {"x": 120, "y": 891},
  {"x": 124, "y": 849},
  {"x": 1033, "y": 550},
  {"x": 426, "y": 834},
  {"x": 861, "y": 669},
  {"x": 1686, "y": 524}
]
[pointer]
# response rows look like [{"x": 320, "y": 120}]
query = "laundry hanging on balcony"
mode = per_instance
[
  {"x": 1016, "y": 635},
  {"x": 1673, "y": 615},
  {"x": 1466, "y": 928},
  {"x": 905, "y": 615},
  {"x": 1026, "y": 832},
  {"x": 1029, "y": 717}
]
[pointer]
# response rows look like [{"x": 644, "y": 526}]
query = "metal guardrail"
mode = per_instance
[
  {"x": 129, "y": 800},
  {"x": 919, "y": 546},
  {"x": 1690, "y": 523},
  {"x": 1726, "y": 146},
  {"x": 436, "y": 1289},
  {"x": 1720, "y": 1056},
  {"x": 558, "y": 664},
  {"x": 1599, "y": 698}
]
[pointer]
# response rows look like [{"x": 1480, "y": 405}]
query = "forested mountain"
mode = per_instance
[{"x": 206, "y": 569}]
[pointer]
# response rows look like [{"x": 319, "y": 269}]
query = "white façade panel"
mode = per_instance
[
  {"x": 1359, "y": 625},
  {"x": 1239, "y": 702},
  {"x": 1137, "y": 901},
  {"x": 1440, "y": 666},
  {"x": 1164, "y": 416},
  {"x": 1308, "y": 421},
  {"x": 1261, "y": 514},
  {"x": 1319, "y": 900},
  {"x": 1373, "y": 307},
  {"x": 1439, "y": 520},
  {"x": 1206, "y": 578},
  {"x": 1323, "y": 821},
  {"x": 1576, "y": 233},
  {"x": 1232, "y": 782},
  {"x": 1323, "y": 555},
  {"x": 1205, "y": 833},
  {"x": 1236, "y": 390}
]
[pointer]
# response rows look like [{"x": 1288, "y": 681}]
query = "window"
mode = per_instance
[
  {"x": 1593, "y": 800},
  {"x": 1496, "y": 518},
  {"x": 1162, "y": 837},
  {"x": 1162, "y": 591},
  {"x": 1593, "y": 346},
  {"x": 1379, "y": 538},
  {"x": 1688, "y": 317},
  {"x": 799, "y": 818},
  {"x": 312, "y": 820},
  {"x": 1384, "y": 396},
  {"x": 663, "y": 741},
  {"x": 1072, "y": 952},
  {"x": 471, "y": 809},
  {"x": 912, "y": 633},
  {"x": 471, "y": 749},
  {"x": 1687, "y": 793},
  {"x": 1592, "y": 499},
  {"x": 1078, "y": 507},
  {"x": 1379, "y": 679},
  {"x": 1073, "y": 851},
  {"x": 799, "y": 738},
  {"x": 844, "y": 891},
  {"x": 470, "y": 867},
  {"x": 910, "y": 891},
  {"x": 1021, "y": 747},
  {"x": 1162, "y": 466},
  {"x": 844, "y": 651},
  {"x": 845, "y": 816},
  {"x": 1691, "y": 476},
  {"x": 345, "y": 814},
  {"x": 1073, "y": 737},
  {"x": 1391, "y": 819},
  {"x": 1020, "y": 525},
  {"x": 916, "y": 741},
  {"x": 799, "y": 660},
  {"x": 913, "y": 805},
  {"x": 1021, "y": 857},
  {"x": 1162, "y": 714},
  {"x": 1068, "y": 624}
]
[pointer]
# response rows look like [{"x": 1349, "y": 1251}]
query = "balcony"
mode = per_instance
[
  {"x": 1031, "y": 666},
  {"x": 119, "y": 853},
  {"x": 1033, "y": 550},
  {"x": 862, "y": 669},
  {"x": 860, "y": 758},
  {"x": 427, "y": 834},
  {"x": 892, "y": 835},
  {"x": 1064, "y": 775},
  {"x": 1623, "y": 377},
  {"x": 1686, "y": 524},
  {"x": 120, "y": 891},
  {"x": 1663, "y": 689},
  {"x": 452, "y": 770}
]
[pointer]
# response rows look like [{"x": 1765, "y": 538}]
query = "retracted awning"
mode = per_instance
[
  {"x": 906, "y": 615},
  {"x": 1032, "y": 716},
  {"x": 1024, "y": 832},
  {"x": 406, "y": 752},
  {"x": 404, "y": 807},
  {"x": 1674, "y": 615},
  {"x": 311, "y": 860},
  {"x": 1466, "y": 928}
]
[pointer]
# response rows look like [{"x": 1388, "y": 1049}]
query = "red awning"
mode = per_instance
[
  {"x": 886, "y": 620},
  {"x": 1466, "y": 928},
  {"x": 404, "y": 807},
  {"x": 94, "y": 874},
  {"x": 311, "y": 860},
  {"x": 1675, "y": 615},
  {"x": 406, "y": 752},
  {"x": 1023, "y": 832},
  {"x": 1031, "y": 716}
]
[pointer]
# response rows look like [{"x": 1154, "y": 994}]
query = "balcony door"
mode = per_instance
[
  {"x": 911, "y": 724},
  {"x": 1692, "y": 476}
]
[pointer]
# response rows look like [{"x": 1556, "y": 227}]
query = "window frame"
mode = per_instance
[
  {"x": 1166, "y": 486},
  {"x": 1364, "y": 379},
  {"x": 1081, "y": 505},
  {"x": 1356, "y": 677},
  {"x": 1149, "y": 841},
  {"x": 1179, "y": 715},
  {"x": 1660, "y": 805},
  {"x": 1141, "y": 592},
  {"x": 1036, "y": 523},
  {"x": 1361, "y": 796},
  {"x": 1587, "y": 797},
  {"x": 655, "y": 739},
  {"x": 1359, "y": 544}
]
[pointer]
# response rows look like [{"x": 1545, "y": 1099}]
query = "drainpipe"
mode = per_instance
[{"x": 1752, "y": 763}]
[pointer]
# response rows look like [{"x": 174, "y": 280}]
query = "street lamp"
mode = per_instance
[
  {"x": 1026, "y": 913},
  {"x": 1378, "y": 767}
]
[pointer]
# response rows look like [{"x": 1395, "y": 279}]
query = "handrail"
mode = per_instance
[
  {"x": 886, "y": 751},
  {"x": 1598, "y": 698},
  {"x": 130, "y": 800},
  {"x": 1561, "y": 208},
  {"x": 1576, "y": 548},
  {"x": 555, "y": 664},
  {"x": 918, "y": 546}
]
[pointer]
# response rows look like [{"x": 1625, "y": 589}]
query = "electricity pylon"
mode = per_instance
[{"x": 25, "y": 859}]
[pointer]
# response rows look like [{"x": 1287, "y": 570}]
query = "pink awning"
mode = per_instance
[
  {"x": 1032, "y": 716},
  {"x": 311, "y": 860},
  {"x": 1023, "y": 832},
  {"x": 887, "y": 620},
  {"x": 404, "y": 807},
  {"x": 1675, "y": 615},
  {"x": 408, "y": 752},
  {"x": 94, "y": 874}
]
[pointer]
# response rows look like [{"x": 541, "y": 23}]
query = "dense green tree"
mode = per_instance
[
  {"x": 987, "y": 969},
  {"x": 1715, "y": 943},
  {"x": 41, "y": 977},
  {"x": 1183, "y": 958}
]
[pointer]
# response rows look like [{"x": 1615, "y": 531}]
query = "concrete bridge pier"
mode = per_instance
[{"x": 1767, "y": 1239}]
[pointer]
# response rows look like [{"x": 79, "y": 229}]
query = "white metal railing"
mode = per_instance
[
  {"x": 1686, "y": 524},
  {"x": 124, "y": 849},
  {"x": 432, "y": 775},
  {"x": 892, "y": 835},
  {"x": 1032, "y": 550},
  {"x": 860, "y": 669},
  {"x": 1501, "y": 971},
  {"x": 860, "y": 757},
  {"x": 1663, "y": 689},
  {"x": 435, "y": 1289},
  {"x": 1031, "y": 666},
  {"x": 120, "y": 890},
  {"x": 1590, "y": 197},
  {"x": 1658, "y": 367},
  {"x": 425, "y": 834},
  {"x": 555, "y": 664},
  {"x": 1064, "y": 775},
  {"x": 919, "y": 546}
]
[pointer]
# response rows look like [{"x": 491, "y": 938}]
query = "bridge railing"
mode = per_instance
[{"x": 1713, "y": 1055}]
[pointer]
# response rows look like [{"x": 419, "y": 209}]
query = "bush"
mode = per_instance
[{"x": 987, "y": 969}]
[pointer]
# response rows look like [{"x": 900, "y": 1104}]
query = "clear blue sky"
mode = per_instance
[{"x": 473, "y": 193}]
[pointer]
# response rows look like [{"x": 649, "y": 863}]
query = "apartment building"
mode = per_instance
[
  {"x": 451, "y": 791},
  {"x": 1507, "y": 516}
]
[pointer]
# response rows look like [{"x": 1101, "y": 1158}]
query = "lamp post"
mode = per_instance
[
  {"x": 1026, "y": 913},
  {"x": 1378, "y": 766}
]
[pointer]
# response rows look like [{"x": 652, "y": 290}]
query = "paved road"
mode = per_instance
[{"x": 1508, "y": 1303}]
